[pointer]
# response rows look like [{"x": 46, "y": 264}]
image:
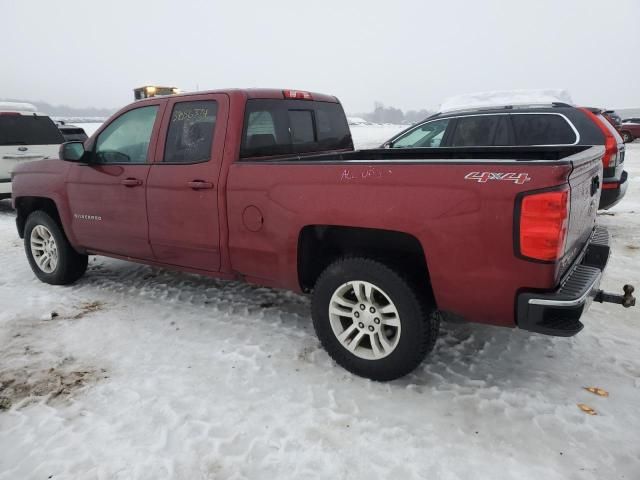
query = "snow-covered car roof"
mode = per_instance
[
  {"x": 502, "y": 98},
  {"x": 17, "y": 107}
]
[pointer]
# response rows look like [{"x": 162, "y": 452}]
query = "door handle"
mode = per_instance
[
  {"x": 595, "y": 185},
  {"x": 131, "y": 182},
  {"x": 199, "y": 185}
]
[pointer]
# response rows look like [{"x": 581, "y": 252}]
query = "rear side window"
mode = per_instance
[
  {"x": 28, "y": 130},
  {"x": 538, "y": 129},
  {"x": 190, "y": 132},
  {"x": 281, "y": 127},
  {"x": 476, "y": 131}
]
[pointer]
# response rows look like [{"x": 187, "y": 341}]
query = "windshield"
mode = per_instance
[{"x": 28, "y": 130}]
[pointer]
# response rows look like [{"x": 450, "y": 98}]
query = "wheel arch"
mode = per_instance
[
  {"x": 320, "y": 245},
  {"x": 25, "y": 206}
]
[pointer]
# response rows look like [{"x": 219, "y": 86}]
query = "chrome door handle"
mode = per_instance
[
  {"x": 131, "y": 182},
  {"x": 199, "y": 185}
]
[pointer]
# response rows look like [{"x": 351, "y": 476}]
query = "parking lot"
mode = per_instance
[{"x": 137, "y": 372}]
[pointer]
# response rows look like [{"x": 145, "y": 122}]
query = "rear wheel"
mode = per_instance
[
  {"x": 627, "y": 137},
  {"x": 371, "y": 320},
  {"x": 50, "y": 255}
]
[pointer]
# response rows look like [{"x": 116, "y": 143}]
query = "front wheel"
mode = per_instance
[
  {"x": 371, "y": 320},
  {"x": 50, "y": 255},
  {"x": 627, "y": 137}
]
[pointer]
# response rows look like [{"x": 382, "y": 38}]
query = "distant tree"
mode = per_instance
[{"x": 382, "y": 114}]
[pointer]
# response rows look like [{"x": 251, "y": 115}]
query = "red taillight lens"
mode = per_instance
[
  {"x": 544, "y": 220},
  {"x": 610, "y": 142},
  {"x": 297, "y": 94}
]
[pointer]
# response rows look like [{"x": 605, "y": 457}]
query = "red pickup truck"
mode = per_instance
[{"x": 264, "y": 186}]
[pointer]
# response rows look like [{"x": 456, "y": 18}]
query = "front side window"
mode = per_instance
[
  {"x": 475, "y": 131},
  {"x": 538, "y": 129},
  {"x": 127, "y": 138},
  {"x": 190, "y": 133},
  {"x": 429, "y": 134}
]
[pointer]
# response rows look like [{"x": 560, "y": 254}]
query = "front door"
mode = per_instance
[
  {"x": 107, "y": 194},
  {"x": 182, "y": 187}
]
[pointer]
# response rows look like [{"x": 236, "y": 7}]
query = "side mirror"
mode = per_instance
[
  {"x": 388, "y": 144},
  {"x": 72, "y": 151}
]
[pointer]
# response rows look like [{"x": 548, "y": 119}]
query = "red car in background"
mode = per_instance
[{"x": 629, "y": 129}]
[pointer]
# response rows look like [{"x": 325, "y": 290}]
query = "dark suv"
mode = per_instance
[{"x": 556, "y": 124}]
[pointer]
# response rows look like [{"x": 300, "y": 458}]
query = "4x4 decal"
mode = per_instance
[{"x": 484, "y": 177}]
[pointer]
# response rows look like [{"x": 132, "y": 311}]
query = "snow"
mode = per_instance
[
  {"x": 372, "y": 136},
  {"x": 151, "y": 374},
  {"x": 500, "y": 98},
  {"x": 357, "y": 121},
  {"x": 17, "y": 107}
]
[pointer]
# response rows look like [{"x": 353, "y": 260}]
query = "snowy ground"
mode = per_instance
[{"x": 150, "y": 374}]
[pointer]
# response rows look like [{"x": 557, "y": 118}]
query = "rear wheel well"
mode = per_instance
[
  {"x": 25, "y": 206},
  {"x": 320, "y": 245}
]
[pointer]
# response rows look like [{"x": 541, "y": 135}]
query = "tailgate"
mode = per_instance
[{"x": 585, "y": 181}]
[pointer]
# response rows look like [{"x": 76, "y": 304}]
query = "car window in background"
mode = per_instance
[
  {"x": 503, "y": 132},
  {"x": 429, "y": 134},
  {"x": 191, "y": 132},
  {"x": 475, "y": 131},
  {"x": 126, "y": 139},
  {"x": 539, "y": 129},
  {"x": 28, "y": 130}
]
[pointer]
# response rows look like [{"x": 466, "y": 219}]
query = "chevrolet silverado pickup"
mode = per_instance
[{"x": 264, "y": 186}]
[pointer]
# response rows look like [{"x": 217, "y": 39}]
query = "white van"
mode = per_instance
[{"x": 25, "y": 135}]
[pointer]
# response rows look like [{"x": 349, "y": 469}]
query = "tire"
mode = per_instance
[
  {"x": 389, "y": 345},
  {"x": 43, "y": 236},
  {"x": 627, "y": 137}
]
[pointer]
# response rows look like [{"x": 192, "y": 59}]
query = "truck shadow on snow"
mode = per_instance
[
  {"x": 5, "y": 208},
  {"x": 466, "y": 354}
]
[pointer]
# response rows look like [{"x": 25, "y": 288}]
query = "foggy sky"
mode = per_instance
[{"x": 408, "y": 54}]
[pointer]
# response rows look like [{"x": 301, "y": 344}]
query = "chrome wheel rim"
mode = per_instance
[
  {"x": 44, "y": 249},
  {"x": 364, "y": 320}
]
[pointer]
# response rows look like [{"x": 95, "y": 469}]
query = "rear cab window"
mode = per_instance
[
  {"x": 18, "y": 129},
  {"x": 283, "y": 127}
]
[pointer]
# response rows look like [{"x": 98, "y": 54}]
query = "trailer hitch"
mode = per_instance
[{"x": 627, "y": 300}]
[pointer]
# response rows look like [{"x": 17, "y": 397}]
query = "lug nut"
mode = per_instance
[
  {"x": 372, "y": 310},
  {"x": 370, "y": 328},
  {"x": 356, "y": 314},
  {"x": 376, "y": 320},
  {"x": 362, "y": 307},
  {"x": 361, "y": 325}
]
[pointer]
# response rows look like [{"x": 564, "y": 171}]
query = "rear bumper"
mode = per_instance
[
  {"x": 558, "y": 312},
  {"x": 613, "y": 192}
]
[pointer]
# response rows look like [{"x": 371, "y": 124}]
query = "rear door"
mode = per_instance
[
  {"x": 107, "y": 195},
  {"x": 182, "y": 190}
]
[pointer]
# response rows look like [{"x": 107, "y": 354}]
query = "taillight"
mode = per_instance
[
  {"x": 610, "y": 143},
  {"x": 297, "y": 94},
  {"x": 544, "y": 220}
]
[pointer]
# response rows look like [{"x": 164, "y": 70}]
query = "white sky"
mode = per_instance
[{"x": 407, "y": 54}]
